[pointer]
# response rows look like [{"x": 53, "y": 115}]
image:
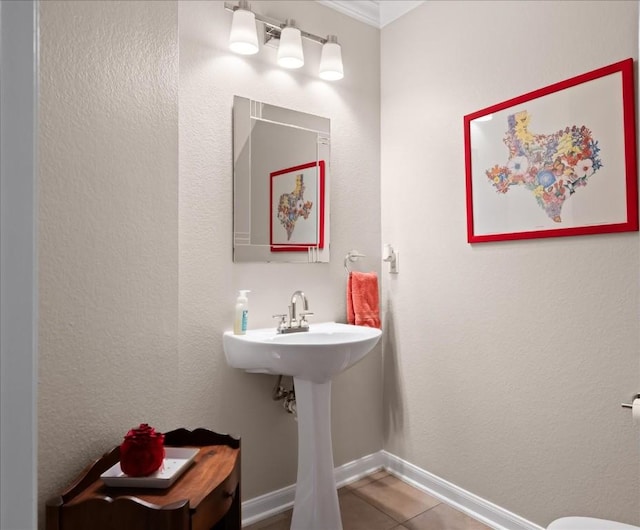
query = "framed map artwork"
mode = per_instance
[
  {"x": 559, "y": 161},
  {"x": 297, "y": 208}
]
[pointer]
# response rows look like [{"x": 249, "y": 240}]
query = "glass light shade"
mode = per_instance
[
  {"x": 290, "y": 49},
  {"x": 244, "y": 37},
  {"x": 331, "y": 61}
]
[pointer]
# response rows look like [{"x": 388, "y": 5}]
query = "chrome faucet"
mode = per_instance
[
  {"x": 297, "y": 318},
  {"x": 293, "y": 308}
]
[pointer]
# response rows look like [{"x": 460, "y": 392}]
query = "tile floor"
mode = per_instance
[{"x": 383, "y": 502}]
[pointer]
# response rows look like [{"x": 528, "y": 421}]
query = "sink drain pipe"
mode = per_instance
[{"x": 288, "y": 396}]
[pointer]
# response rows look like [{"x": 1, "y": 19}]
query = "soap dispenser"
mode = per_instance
[{"x": 242, "y": 313}]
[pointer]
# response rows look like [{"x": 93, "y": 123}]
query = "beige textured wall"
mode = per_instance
[
  {"x": 108, "y": 229},
  {"x": 213, "y": 394},
  {"x": 504, "y": 363},
  {"x": 137, "y": 282}
]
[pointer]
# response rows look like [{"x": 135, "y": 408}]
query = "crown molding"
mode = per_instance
[
  {"x": 389, "y": 11},
  {"x": 366, "y": 11},
  {"x": 376, "y": 13}
]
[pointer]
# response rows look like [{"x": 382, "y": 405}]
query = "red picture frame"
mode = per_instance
[
  {"x": 558, "y": 161},
  {"x": 296, "y": 194}
]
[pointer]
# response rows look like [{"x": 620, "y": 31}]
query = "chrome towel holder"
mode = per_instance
[{"x": 352, "y": 256}]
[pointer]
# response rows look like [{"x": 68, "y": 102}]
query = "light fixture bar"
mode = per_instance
[{"x": 276, "y": 24}]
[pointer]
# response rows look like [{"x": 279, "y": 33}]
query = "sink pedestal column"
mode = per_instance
[{"x": 316, "y": 503}]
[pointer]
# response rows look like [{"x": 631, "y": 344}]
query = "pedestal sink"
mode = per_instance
[{"x": 313, "y": 358}]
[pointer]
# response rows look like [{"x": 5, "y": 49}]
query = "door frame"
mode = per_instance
[{"x": 18, "y": 267}]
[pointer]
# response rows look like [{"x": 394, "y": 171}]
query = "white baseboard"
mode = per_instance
[
  {"x": 456, "y": 497},
  {"x": 278, "y": 501},
  {"x": 266, "y": 505}
]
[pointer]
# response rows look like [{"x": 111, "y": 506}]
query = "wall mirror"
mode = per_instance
[{"x": 280, "y": 184}]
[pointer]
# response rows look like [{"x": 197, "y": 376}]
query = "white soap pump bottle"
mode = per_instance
[{"x": 242, "y": 313}]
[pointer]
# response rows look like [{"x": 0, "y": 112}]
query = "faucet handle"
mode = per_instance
[
  {"x": 283, "y": 321},
  {"x": 303, "y": 318}
]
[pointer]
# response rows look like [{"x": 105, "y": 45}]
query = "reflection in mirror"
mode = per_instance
[{"x": 280, "y": 184}]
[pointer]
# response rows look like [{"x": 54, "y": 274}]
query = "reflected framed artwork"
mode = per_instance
[
  {"x": 558, "y": 161},
  {"x": 297, "y": 207}
]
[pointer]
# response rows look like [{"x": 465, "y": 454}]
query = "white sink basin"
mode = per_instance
[
  {"x": 313, "y": 358},
  {"x": 316, "y": 355}
]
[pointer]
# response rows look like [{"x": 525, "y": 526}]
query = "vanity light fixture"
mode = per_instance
[
  {"x": 243, "y": 39},
  {"x": 331, "y": 60},
  {"x": 290, "y": 49}
]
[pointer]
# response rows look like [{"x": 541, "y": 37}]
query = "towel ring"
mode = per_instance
[{"x": 352, "y": 256}]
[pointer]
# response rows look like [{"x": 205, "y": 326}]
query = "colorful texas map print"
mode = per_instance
[
  {"x": 292, "y": 206},
  {"x": 552, "y": 167}
]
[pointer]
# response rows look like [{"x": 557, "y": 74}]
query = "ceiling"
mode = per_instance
[{"x": 376, "y": 13}]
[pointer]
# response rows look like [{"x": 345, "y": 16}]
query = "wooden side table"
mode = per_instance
[{"x": 205, "y": 497}]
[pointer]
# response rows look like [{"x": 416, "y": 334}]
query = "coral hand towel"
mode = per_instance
[{"x": 363, "y": 308}]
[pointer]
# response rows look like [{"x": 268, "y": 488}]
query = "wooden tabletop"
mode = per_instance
[{"x": 212, "y": 465}]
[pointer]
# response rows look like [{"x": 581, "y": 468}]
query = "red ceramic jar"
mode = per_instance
[{"x": 142, "y": 451}]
